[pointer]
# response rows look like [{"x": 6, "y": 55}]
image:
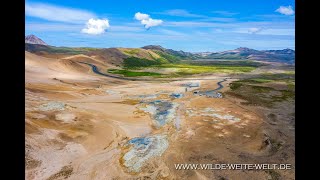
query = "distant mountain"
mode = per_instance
[
  {"x": 32, "y": 39},
  {"x": 116, "y": 56},
  {"x": 285, "y": 55},
  {"x": 241, "y": 53}
]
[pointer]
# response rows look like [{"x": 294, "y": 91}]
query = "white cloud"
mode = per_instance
[
  {"x": 286, "y": 10},
  {"x": 148, "y": 23},
  {"x": 146, "y": 20},
  {"x": 254, "y": 30},
  {"x": 57, "y": 13},
  {"x": 96, "y": 26},
  {"x": 140, "y": 16}
]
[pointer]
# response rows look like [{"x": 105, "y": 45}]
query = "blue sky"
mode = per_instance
[{"x": 189, "y": 25}]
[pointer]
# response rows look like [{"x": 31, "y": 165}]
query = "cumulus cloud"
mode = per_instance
[
  {"x": 254, "y": 30},
  {"x": 140, "y": 16},
  {"x": 96, "y": 26},
  {"x": 57, "y": 13},
  {"x": 286, "y": 10},
  {"x": 147, "y": 21}
]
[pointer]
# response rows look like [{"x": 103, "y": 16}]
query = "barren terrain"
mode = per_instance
[{"x": 81, "y": 125}]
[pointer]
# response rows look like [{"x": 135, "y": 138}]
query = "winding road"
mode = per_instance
[
  {"x": 95, "y": 70},
  {"x": 220, "y": 86}
]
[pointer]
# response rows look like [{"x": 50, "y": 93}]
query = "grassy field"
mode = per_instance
[
  {"x": 134, "y": 62},
  {"x": 259, "y": 91},
  {"x": 128, "y": 73},
  {"x": 134, "y": 66},
  {"x": 178, "y": 70},
  {"x": 132, "y": 51},
  {"x": 189, "y": 69},
  {"x": 224, "y": 63},
  {"x": 170, "y": 58}
]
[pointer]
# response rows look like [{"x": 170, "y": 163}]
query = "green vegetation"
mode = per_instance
[
  {"x": 279, "y": 76},
  {"x": 256, "y": 92},
  {"x": 285, "y": 94},
  {"x": 266, "y": 78},
  {"x": 64, "y": 50},
  {"x": 128, "y": 73},
  {"x": 262, "y": 96},
  {"x": 134, "y": 62},
  {"x": 261, "y": 89},
  {"x": 132, "y": 51},
  {"x": 226, "y": 56},
  {"x": 251, "y": 96},
  {"x": 179, "y": 69},
  {"x": 225, "y": 62},
  {"x": 291, "y": 85},
  {"x": 187, "y": 69},
  {"x": 256, "y": 80},
  {"x": 235, "y": 85},
  {"x": 56, "y": 50},
  {"x": 273, "y": 174},
  {"x": 275, "y": 145},
  {"x": 168, "y": 57}
]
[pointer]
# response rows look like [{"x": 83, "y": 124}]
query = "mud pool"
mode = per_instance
[
  {"x": 176, "y": 95},
  {"x": 144, "y": 148},
  {"x": 162, "y": 111}
]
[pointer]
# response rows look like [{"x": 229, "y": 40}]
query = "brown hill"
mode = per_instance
[{"x": 43, "y": 69}]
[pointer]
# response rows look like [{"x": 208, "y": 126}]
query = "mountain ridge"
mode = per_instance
[{"x": 36, "y": 45}]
